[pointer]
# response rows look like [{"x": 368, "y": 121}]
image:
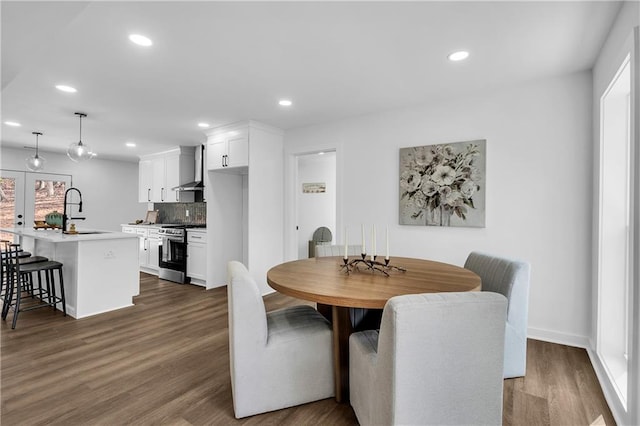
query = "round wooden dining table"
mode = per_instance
[{"x": 324, "y": 281}]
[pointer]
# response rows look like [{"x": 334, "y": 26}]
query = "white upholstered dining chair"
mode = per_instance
[
  {"x": 436, "y": 360},
  {"x": 510, "y": 278},
  {"x": 277, "y": 359}
]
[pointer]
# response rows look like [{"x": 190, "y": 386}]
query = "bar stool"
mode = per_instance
[
  {"x": 20, "y": 279},
  {"x": 24, "y": 258}
]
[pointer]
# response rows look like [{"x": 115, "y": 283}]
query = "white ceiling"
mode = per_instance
[{"x": 222, "y": 62}]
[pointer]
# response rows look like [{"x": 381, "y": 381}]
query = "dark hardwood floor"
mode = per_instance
[{"x": 166, "y": 361}]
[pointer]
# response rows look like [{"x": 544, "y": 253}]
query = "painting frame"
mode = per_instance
[{"x": 443, "y": 184}]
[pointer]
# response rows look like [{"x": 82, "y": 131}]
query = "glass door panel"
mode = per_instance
[
  {"x": 45, "y": 194},
  {"x": 26, "y": 197},
  {"x": 11, "y": 201}
]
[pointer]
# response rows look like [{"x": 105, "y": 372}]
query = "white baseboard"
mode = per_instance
[
  {"x": 610, "y": 394},
  {"x": 560, "y": 338}
]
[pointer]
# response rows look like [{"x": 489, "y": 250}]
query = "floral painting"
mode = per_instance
[{"x": 443, "y": 185}]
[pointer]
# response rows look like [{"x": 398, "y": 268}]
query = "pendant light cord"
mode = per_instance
[
  {"x": 80, "y": 141},
  {"x": 37, "y": 134}
]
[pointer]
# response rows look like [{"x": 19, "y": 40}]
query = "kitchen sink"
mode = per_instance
[{"x": 86, "y": 232}]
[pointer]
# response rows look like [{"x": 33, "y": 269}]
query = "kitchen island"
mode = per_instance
[{"x": 100, "y": 267}]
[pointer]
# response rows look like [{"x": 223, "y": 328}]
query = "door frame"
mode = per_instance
[
  {"x": 25, "y": 180},
  {"x": 291, "y": 152}
]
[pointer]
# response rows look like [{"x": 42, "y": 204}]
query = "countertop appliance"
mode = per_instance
[{"x": 173, "y": 252}]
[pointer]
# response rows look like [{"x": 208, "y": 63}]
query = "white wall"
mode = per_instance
[
  {"x": 538, "y": 187},
  {"x": 315, "y": 209},
  {"x": 109, "y": 188}
]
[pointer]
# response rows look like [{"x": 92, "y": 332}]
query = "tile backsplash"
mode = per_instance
[{"x": 177, "y": 213}]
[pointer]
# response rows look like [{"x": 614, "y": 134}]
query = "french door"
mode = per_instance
[{"x": 26, "y": 197}]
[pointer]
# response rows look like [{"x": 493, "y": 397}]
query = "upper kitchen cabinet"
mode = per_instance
[
  {"x": 159, "y": 173},
  {"x": 228, "y": 147},
  {"x": 145, "y": 180},
  {"x": 245, "y": 200}
]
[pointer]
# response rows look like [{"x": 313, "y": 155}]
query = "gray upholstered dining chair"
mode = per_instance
[
  {"x": 277, "y": 359},
  {"x": 324, "y": 250},
  {"x": 510, "y": 278},
  {"x": 437, "y": 359}
]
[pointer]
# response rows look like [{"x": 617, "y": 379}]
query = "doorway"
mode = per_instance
[
  {"x": 26, "y": 197},
  {"x": 615, "y": 260},
  {"x": 315, "y": 197}
]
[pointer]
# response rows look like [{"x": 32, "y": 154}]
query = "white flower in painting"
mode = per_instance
[
  {"x": 424, "y": 156},
  {"x": 468, "y": 188},
  {"x": 443, "y": 175},
  {"x": 410, "y": 180},
  {"x": 453, "y": 198},
  {"x": 428, "y": 187},
  {"x": 474, "y": 174}
]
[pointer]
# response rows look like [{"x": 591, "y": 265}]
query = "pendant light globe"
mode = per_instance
[
  {"x": 78, "y": 151},
  {"x": 36, "y": 163}
]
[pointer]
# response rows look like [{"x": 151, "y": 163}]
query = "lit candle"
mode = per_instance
[
  {"x": 364, "y": 248},
  {"x": 346, "y": 255},
  {"x": 373, "y": 242},
  {"x": 387, "y": 238}
]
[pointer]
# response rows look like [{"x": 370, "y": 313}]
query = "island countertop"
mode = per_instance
[
  {"x": 100, "y": 269},
  {"x": 56, "y": 236}
]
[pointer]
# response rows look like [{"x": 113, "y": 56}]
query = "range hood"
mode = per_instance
[{"x": 197, "y": 184}]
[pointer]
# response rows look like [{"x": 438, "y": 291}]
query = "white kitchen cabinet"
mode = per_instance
[
  {"x": 153, "y": 250},
  {"x": 197, "y": 256},
  {"x": 245, "y": 205},
  {"x": 159, "y": 173},
  {"x": 148, "y": 247},
  {"x": 145, "y": 181},
  {"x": 228, "y": 150}
]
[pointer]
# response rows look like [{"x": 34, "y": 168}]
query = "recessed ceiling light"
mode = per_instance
[
  {"x": 203, "y": 125},
  {"x": 458, "y": 56},
  {"x": 285, "y": 102},
  {"x": 140, "y": 40},
  {"x": 12, "y": 123},
  {"x": 65, "y": 88},
  {"x": 321, "y": 153},
  {"x": 130, "y": 144}
]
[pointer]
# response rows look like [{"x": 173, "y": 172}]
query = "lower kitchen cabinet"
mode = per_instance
[
  {"x": 197, "y": 257},
  {"x": 148, "y": 247}
]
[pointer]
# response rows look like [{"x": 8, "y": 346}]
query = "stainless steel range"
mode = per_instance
[{"x": 173, "y": 252}]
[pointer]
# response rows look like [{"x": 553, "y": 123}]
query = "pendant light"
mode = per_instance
[
  {"x": 36, "y": 163},
  {"x": 79, "y": 151}
]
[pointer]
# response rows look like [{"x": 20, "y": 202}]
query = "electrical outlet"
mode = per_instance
[{"x": 109, "y": 255}]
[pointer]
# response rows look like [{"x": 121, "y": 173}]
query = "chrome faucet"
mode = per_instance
[{"x": 64, "y": 214}]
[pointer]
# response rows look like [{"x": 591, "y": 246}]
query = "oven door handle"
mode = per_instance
[{"x": 166, "y": 256}]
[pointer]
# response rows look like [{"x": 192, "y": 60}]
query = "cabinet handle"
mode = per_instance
[
  {"x": 196, "y": 237},
  {"x": 149, "y": 194},
  {"x": 177, "y": 196},
  {"x": 222, "y": 160},
  {"x": 161, "y": 194}
]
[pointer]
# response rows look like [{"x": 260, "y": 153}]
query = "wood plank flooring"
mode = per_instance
[{"x": 166, "y": 361}]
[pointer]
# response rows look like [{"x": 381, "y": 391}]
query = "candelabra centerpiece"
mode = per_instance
[{"x": 368, "y": 265}]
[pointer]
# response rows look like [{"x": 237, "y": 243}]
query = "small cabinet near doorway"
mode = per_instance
[{"x": 228, "y": 150}]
